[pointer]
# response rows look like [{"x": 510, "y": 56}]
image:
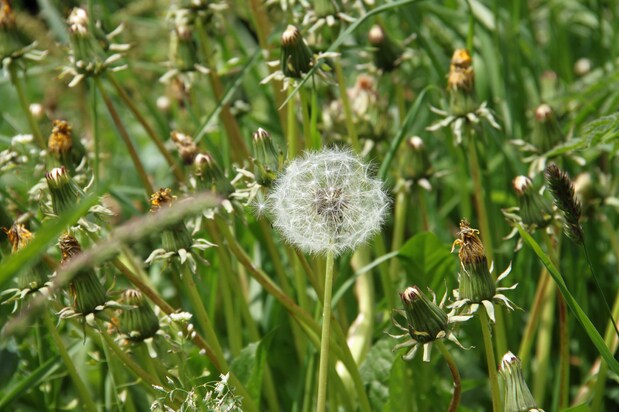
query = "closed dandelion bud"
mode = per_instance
[
  {"x": 30, "y": 278},
  {"x": 386, "y": 52},
  {"x": 297, "y": 58},
  {"x": 176, "y": 236},
  {"x": 87, "y": 293},
  {"x": 210, "y": 176},
  {"x": 86, "y": 50},
  {"x": 546, "y": 131},
  {"x": 518, "y": 398},
  {"x": 186, "y": 147},
  {"x": 139, "y": 322},
  {"x": 426, "y": 321},
  {"x": 461, "y": 83},
  {"x": 562, "y": 190},
  {"x": 534, "y": 209},
  {"x": 183, "y": 46},
  {"x": 10, "y": 40},
  {"x": 267, "y": 159},
  {"x": 476, "y": 282},
  {"x": 419, "y": 165},
  {"x": 63, "y": 190}
]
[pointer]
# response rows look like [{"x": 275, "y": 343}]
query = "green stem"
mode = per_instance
[
  {"x": 23, "y": 100},
  {"x": 524, "y": 352},
  {"x": 350, "y": 124},
  {"x": 490, "y": 360},
  {"x": 307, "y": 132},
  {"x": 95, "y": 135},
  {"x": 178, "y": 173},
  {"x": 82, "y": 390},
  {"x": 326, "y": 332},
  {"x": 137, "y": 163},
  {"x": 486, "y": 234},
  {"x": 291, "y": 132},
  {"x": 455, "y": 399},
  {"x": 399, "y": 226}
]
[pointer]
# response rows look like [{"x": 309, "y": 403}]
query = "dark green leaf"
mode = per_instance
[{"x": 249, "y": 365}]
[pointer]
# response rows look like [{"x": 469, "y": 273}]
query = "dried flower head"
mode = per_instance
[
  {"x": 60, "y": 141},
  {"x": 32, "y": 278},
  {"x": 64, "y": 192},
  {"x": 562, "y": 189},
  {"x": 186, "y": 147},
  {"x": 327, "y": 201}
]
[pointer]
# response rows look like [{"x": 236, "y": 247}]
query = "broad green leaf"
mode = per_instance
[
  {"x": 578, "y": 408},
  {"x": 375, "y": 372},
  {"x": 429, "y": 258},
  {"x": 571, "y": 302},
  {"x": 249, "y": 365}
]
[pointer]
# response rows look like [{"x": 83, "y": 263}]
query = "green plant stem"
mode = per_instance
[
  {"x": 564, "y": 353},
  {"x": 486, "y": 234},
  {"x": 137, "y": 163},
  {"x": 385, "y": 277},
  {"x": 23, "y": 101},
  {"x": 240, "y": 152},
  {"x": 307, "y": 127},
  {"x": 524, "y": 352},
  {"x": 490, "y": 360},
  {"x": 399, "y": 225},
  {"x": 291, "y": 132},
  {"x": 178, "y": 172},
  {"x": 96, "y": 137},
  {"x": 199, "y": 309},
  {"x": 326, "y": 332},
  {"x": 350, "y": 123},
  {"x": 455, "y": 398},
  {"x": 544, "y": 344},
  {"x": 82, "y": 390}
]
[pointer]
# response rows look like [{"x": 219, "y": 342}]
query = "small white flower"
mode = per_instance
[{"x": 327, "y": 201}]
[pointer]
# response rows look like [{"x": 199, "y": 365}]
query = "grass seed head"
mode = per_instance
[{"x": 562, "y": 190}]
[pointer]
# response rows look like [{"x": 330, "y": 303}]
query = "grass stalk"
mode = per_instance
[
  {"x": 82, "y": 390},
  {"x": 96, "y": 137},
  {"x": 490, "y": 360},
  {"x": 23, "y": 101},
  {"x": 455, "y": 398},
  {"x": 350, "y": 124},
  {"x": 137, "y": 163},
  {"x": 176, "y": 169},
  {"x": 326, "y": 332}
]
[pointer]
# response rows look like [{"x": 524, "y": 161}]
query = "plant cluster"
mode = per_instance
[{"x": 252, "y": 206}]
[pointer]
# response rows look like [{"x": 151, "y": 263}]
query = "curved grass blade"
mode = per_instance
[{"x": 571, "y": 302}]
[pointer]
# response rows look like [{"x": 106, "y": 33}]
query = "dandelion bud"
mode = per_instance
[
  {"x": 140, "y": 322},
  {"x": 419, "y": 166},
  {"x": 475, "y": 279},
  {"x": 176, "y": 236},
  {"x": 426, "y": 321},
  {"x": 297, "y": 58},
  {"x": 461, "y": 83},
  {"x": 86, "y": 291},
  {"x": 30, "y": 278},
  {"x": 183, "y": 46},
  {"x": 60, "y": 141},
  {"x": 37, "y": 110},
  {"x": 186, "y": 147},
  {"x": 534, "y": 209},
  {"x": 386, "y": 52},
  {"x": 562, "y": 190},
  {"x": 546, "y": 131},
  {"x": 210, "y": 176},
  {"x": 518, "y": 398},
  {"x": 326, "y": 202},
  {"x": 9, "y": 37},
  {"x": 63, "y": 190},
  {"x": 267, "y": 159}
]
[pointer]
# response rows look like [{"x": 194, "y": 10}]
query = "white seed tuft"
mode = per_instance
[{"x": 327, "y": 201}]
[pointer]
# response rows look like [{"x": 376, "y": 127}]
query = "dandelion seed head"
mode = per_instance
[{"x": 327, "y": 201}]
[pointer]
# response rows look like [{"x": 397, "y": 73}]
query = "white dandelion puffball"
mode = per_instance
[{"x": 326, "y": 201}]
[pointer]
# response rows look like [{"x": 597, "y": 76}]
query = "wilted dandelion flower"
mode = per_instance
[{"x": 326, "y": 201}]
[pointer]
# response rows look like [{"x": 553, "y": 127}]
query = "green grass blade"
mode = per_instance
[
  {"x": 571, "y": 302},
  {"x": 46, "y": 234}
]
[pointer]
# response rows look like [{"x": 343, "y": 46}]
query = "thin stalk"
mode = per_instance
[
  {"x": 23, "y": 101},
  {"x": 524, "y": 352},
  {"x": 291, "y": 132},
  {"x": 385, "y": 277},
  {"x": 455, "y": 398},
  {"x": 326, "y": 332},
  {"x": 307, "y": 128},
  {"x": 399, "y": 226},
  {"x": 486, "y": 235},
  {"x": 82, "y": 390},
  {"x": 350, "y": 124},
  {"x": 137, "y": 163},
  {"x": 178, "y": 172},
  {"x": 544, "y": 344},
  {"x": 95, "y": 135},
  {"x": 240, "y": 152},
  {"x": 203, "y": 320},
  {"x": 490, "y": 360}
]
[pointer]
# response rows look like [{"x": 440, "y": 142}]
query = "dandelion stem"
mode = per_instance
[
  {"x": 178, "y": 173},
  {"x": 455, "y": 399},
  {"x": 326, "y": 332},
  {"x": 96, "y": 137},
  {"x": 291, "y": 132},
  {"x": 23, "y": 100},
  {"x": 490, "y": 360},
  {"x": 350, "y": 124},
  {"x": 82, "y": 390},
  {"x": 137, "y": 163}
]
